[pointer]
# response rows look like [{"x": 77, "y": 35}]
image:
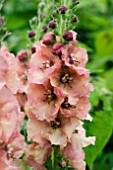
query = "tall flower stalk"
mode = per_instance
[{"x": 46, "y": 88}]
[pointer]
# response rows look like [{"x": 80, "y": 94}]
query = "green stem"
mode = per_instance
[{"x": 53, "y": 159}]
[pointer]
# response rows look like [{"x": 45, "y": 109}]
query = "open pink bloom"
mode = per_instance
[
  {"x": 76, "y": 57},
  {"x": 9, "y": 113},
  {"x": 42, "y": 64},
  {"x": 22, "y": 59},
  {"x": 75, "y": 157},
  {"x": 14, "y": 146},
  {"x": 3, "y": 71},
  {"x": 70, "y": 83},
  {"x": 79, "y": 139},
  {"x": 73, "y": 150},
  {"x": 36, "y": 154},
  {"x": 58, "y": 131},
  {"x": 79, "y": 110},
  {"x": 44, "y": 101},
  {"x": 8, "y": 74},
  {"x": 6, "y": 164}
]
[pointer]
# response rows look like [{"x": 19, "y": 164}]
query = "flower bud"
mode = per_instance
[
  {"x": 57, "y": 49},
  {"x": 33, "y": 50},
  {"x": 52, "y": 24},
  {"x": 68, "y": 36},
  {"x": 22, "y": 55},
  {"x": 62, "y": 164},
  {"x": 75, "y": 19},
  {"x": 48, "y": 38},
  {"x": 45, "y": 28},
  {"x": 63, "y": 9},
  {"x": 31, "y": 34}
]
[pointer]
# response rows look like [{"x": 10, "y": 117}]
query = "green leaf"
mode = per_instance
[
  {"x": 102, "y": 124},
  {"x": 105, "y": 163},
  {"x": 104, "y": 42}
]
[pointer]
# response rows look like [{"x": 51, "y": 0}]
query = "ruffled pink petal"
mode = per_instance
[
  {"x": 9, "y": 110},
  {"x": 12, "y": 81},
  {"x": 42, "y": 65},
  {"x": 80, "y": 110},
  {"x": 40, "y": 107}
]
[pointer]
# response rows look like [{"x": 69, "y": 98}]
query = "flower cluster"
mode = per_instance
[
  {"x": 57, "y": 98},
  {"x": 11, "y": 117},
  {"x": 49, "y": 85}
]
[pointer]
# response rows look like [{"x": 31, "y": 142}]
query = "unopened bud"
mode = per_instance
[
  {"x": 75, "y": 19},
  {"x": 68, "y": 36},
  {"x": 45, "y": 28},
  {"x": 62, "y": 164},
  {"x": 57, "y": 49},
  {"x": 33, "y": 50},
  {"x": 31, "y": 34},
  {"x": 22, "y": 55},
  {"x": 52, "y": 24},
  {"x": 63, "y": 9},
  {"x": 48, "y": 38}
]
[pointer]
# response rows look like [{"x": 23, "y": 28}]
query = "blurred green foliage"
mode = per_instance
[{"x": 95, "y": 33}]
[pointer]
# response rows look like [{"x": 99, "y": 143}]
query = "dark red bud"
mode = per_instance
[
  {"x": 57, "y": 45},
  {"x": 48, "y": 38},
  {"x": 57, "y": 49},
  {"x": 68, "y": 36},
  {"x": 33, "y": 50},
  {"x": 22, "y": 55},
  {"x": 75, "y": 19},
  {"x": 52, "y": 24},
  {"x": 63, "y": 9},
  {"x": 45, "y": 28},
  {"x": 31, "y": 34}
]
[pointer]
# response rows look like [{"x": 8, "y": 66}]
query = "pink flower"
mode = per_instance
[
  {"x": 9, "y": 110},
  {"x": 22, "y": 59},
  {"x": 48, "y": 38},
  {"x": 58, "y": 131},
  {"x": 42, "y": 64},
  {"x": 79, "y": 137},
  {"x": 3, "y": 71},
  {"x": 76, "y": 57},
  {"x": 8, "y": 75},
  {"x": 75, "y": 157},
  {"x": 44, "y": 101},
  {"x": 79, "y": 109},
  {"x": 6, "y": 164},
  {"x": 70, "y": 83},
  {"x": 37, "y": 154}
]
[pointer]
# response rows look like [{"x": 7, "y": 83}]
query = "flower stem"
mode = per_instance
[{"x": 52, "y": 159}]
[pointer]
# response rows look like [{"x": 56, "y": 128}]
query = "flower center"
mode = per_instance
[
  {"x": 66, "y": 78},
  {"x": 9, "y": 149},
  {"x": 55, "y": 124},
  {"x": 47, "y": 64},
  {"x": 50, "y": 95},
  {"x": 73, "y": 60},
  {"x": 66, "y": 105}
]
